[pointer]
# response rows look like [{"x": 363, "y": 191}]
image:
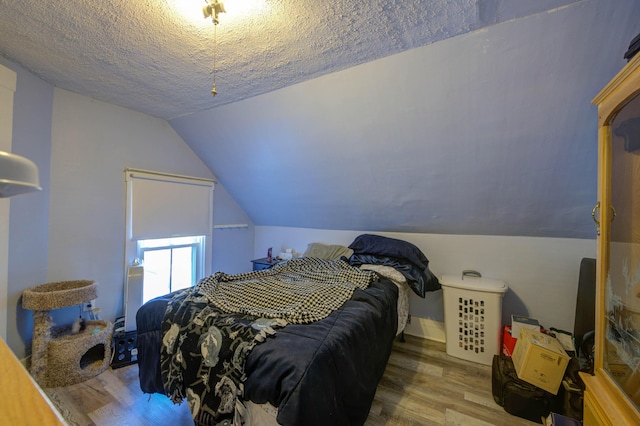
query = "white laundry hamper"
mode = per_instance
[{"x": 472, "y": 316}]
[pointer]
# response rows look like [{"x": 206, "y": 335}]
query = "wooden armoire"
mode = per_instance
[{"x": 612, "y": 395}]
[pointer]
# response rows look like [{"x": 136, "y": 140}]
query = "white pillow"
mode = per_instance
[{"x": 327, "y": 251}]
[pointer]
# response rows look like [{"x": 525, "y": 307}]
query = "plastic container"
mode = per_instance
[{"x": 472, "y": 316}]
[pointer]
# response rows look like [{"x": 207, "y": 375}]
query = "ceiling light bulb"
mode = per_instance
[
  {"x": 212, "y": 10},
  {"x": 206, "y": 10}
]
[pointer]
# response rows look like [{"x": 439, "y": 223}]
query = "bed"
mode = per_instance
[{"x": 318, "y": 367}]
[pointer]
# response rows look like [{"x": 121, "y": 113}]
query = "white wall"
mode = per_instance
[
  {"x": 231, "y": 246},
  {"x": 7, "y": 88},
  {"x": 74, "y": 227},
  {"x": 92, "y": 143},
  {"x": 29, "y": 212},
  {"x": 542, "y": 273}
]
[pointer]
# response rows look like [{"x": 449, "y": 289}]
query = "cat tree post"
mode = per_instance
[{"x": 59, "y": 357}]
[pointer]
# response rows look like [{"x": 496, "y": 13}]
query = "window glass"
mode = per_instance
[
  {"x": 622, "y": 290},
  {"x": 170, "y": 264},
  {"x": 182, "y": 271}
]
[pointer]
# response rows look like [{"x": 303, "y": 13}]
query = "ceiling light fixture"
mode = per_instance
[
  {"x": 17, "y": 175},
  {"x": 211, "y": 10}
]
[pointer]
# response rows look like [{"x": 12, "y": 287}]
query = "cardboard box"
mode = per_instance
[
  {"x": 539, "y": 359},
  {"x": 518, "y": 322}
]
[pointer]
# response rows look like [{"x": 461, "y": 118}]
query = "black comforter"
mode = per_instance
[{"x": 321, "y": 373}]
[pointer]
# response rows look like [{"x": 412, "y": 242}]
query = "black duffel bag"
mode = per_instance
[{"x": 516, "y": 396}]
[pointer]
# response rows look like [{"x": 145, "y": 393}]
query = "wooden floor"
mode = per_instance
[{"x": 422, "y": 385}]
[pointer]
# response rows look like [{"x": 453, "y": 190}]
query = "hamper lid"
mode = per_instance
[{"x": 468, "y": 282}]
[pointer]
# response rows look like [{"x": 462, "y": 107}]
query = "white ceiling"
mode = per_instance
[{"x": 145, "y": 55}]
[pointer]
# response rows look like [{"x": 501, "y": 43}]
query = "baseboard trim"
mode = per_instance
[{"x": 426, "y": 328}]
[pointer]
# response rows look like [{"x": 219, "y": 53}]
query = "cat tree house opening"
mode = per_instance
[{"x": 59, "y": 357}]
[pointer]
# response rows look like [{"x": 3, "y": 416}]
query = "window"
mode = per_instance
[
  {"x": 168, "y": 226},
  {"x": 170, "y": 264}
]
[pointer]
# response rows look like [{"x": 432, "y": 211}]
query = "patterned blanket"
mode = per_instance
[
  {"x": 209, "y": 330},
  {"x": 299, "y": 291}
]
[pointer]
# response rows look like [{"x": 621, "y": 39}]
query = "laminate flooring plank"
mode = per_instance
[{"x": 421, "y": 386}]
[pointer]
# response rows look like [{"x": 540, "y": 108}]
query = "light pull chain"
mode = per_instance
[
  {"x": 215, "y": 52},
  {"x": 212, "y": 9}
]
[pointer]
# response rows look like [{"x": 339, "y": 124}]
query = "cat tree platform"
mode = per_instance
[{"x": 60, "y": 357}]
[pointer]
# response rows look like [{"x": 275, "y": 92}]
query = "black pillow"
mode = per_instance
[
  {"x": 391, "y": 247},
  {"x": 420, "y": 280}
]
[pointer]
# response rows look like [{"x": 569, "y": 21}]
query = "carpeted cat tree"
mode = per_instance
[{"x": 60, "y": 357}]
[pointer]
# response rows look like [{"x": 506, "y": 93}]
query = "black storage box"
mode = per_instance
[
  {"x": 125, "y": 351},
  {"x": 516, "y": 396}
]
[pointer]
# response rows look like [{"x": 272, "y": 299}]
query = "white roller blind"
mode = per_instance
[{"x": 162, "y": 205}]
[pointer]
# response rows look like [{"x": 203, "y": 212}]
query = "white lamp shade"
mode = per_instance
[{"x": 17, "y": 175}]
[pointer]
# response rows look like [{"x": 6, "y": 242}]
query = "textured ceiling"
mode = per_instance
[
  {"x": 144, "y": 55},
  {"x": 458, "y": 116}
]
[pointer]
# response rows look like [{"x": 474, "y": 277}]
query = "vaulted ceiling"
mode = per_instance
[
  {"x": 149, "y": 56},
  {"x": 464, "y": 116}
]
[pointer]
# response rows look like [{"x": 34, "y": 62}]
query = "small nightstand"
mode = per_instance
[{"x": 260, "y": 264}]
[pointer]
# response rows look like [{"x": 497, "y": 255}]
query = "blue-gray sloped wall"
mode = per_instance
[{"x": 487, "y": 133}]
